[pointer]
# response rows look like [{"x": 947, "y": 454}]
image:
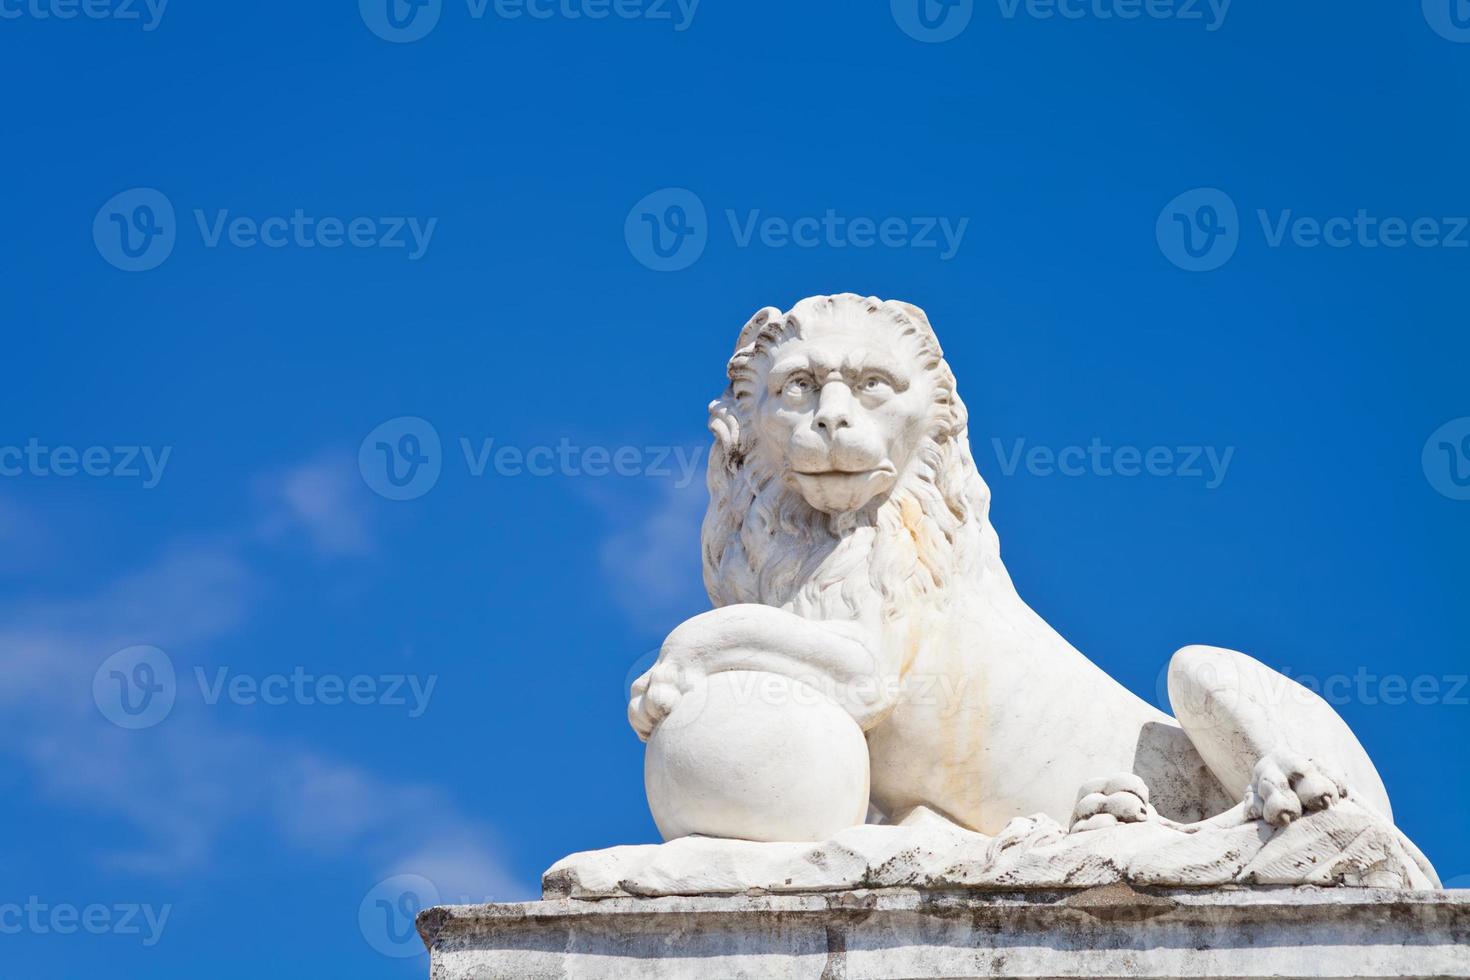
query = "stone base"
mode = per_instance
[
  {"x": 901, "y": 934},
  {"x": 1343, "y": 845}
]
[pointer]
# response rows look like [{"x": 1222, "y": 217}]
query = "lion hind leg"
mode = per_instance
[{"x": 1237, "y": 712}]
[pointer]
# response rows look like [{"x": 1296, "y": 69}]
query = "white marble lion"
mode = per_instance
[{"x": 848, "y": 538}]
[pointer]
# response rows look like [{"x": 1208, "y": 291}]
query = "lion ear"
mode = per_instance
[
  {"x": 752, "y": 329},
  {"x": 915, "y": 313},
  {"x": 959, "y": 416},
  {"x": 724, "y": 423}
]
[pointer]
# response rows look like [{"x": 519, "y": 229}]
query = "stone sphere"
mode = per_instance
[{"x": 756, "y": 756}]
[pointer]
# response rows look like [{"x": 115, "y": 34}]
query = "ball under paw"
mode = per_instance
[{"x": 757, "y": 756}]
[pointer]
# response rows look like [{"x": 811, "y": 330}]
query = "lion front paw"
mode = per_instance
[
  {"x": 1284, "y": 785},
  {"x": 1108, "y": 802},
  {"x": 654, "y": 696}
]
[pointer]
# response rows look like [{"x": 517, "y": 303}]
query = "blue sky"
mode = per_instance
[{"x": 330, "y": 226}]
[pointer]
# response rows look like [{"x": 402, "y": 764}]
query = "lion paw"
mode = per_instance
[
  {"x": 654, "y": 696},
  {"x": 1285, "y": 785},
  {"x": 1108, "y": 802}
]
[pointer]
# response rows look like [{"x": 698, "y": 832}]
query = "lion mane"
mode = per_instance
[{"x": 763, "y": 543}]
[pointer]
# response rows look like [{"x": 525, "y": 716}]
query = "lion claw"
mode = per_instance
[
  {"x": 1110, "y": 801},
  {"x": 1285, "y": 785}
]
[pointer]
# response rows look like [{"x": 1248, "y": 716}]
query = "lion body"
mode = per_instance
[
  {"x": 1008, "y": 718},
  {"x": 848, "y": 545}
]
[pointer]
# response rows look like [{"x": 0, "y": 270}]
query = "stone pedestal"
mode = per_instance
[{"x": 1109, "y": 931}]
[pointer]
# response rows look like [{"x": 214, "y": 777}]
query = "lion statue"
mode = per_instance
[{"x": 848, "y": 538}]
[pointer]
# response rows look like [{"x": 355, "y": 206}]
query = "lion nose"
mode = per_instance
[{"x": 834, "y": 410}]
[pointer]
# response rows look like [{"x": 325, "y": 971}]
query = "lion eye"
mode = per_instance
[
  {"x": 797, "y": 387},
  {"x": 873, "y": 382}
]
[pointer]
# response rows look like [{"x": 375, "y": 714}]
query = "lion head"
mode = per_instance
[{"x": 841, "y": 467}]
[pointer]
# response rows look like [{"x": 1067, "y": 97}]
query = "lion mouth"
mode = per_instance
[
  {"x": 885, "y": 470},
  {"x": 843, "y": 491}
]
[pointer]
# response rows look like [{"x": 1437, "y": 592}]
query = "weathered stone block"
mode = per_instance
[{"x": 1110, "y": 931}]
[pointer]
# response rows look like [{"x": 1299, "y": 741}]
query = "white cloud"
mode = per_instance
[
  {"x": 323, "y": 499},
  {"x": 181, "y": 785},
  {"x": 652, "y": 568},
  {"x": 21, "y": 537},
  {"x": 191, "y": 594}
]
